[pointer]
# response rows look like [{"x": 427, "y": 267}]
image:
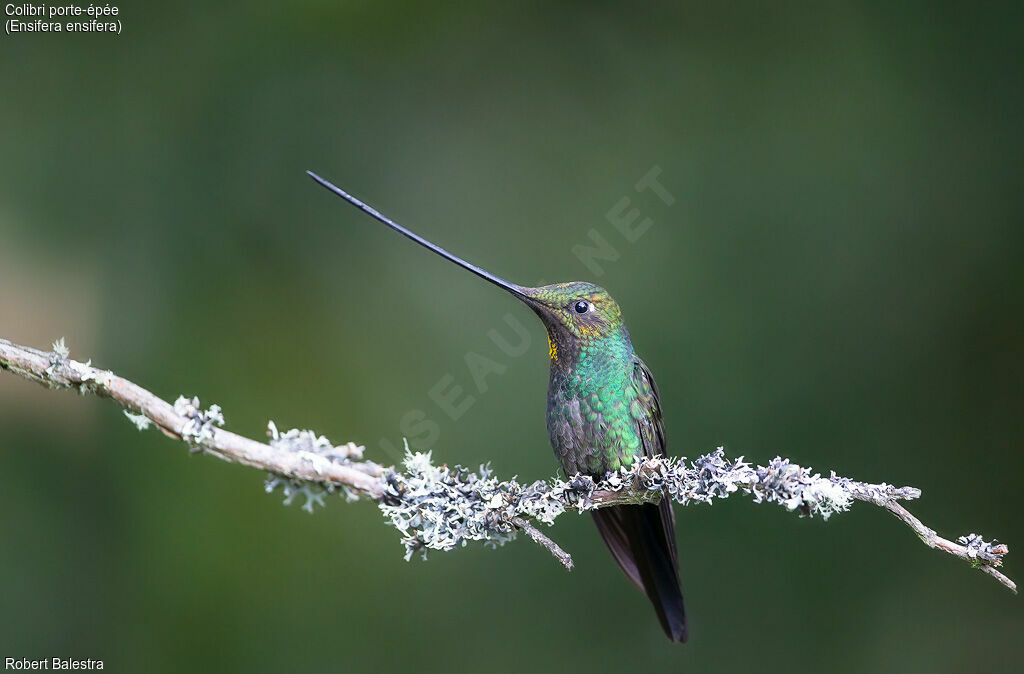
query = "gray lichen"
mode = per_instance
[
  {"x": 317, "y": 451},
  {"x": 441, "y": 508},
  {"x": 304, "y": 441},
  {"x": 59, "y": 357},
  {"x": 314, "y": 493},
  {"x": 62, "y": 368},
  {"x": 199, "y": 423},
  {"x": 140, "y": 421},
  {"x": 979, "y": 548}
]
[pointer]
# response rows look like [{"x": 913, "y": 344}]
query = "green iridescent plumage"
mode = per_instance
[
  {"x": 601, "y": 404},
  {"x": 603, "y": 413}
]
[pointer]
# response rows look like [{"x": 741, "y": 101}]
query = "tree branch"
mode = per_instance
[{"x": 440, "y": 508}]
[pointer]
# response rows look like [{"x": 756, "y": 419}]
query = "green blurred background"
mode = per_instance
[{"x": 839, "y": 281}]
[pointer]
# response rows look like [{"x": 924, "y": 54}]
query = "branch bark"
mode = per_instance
[{"x": 441, "y": 508}]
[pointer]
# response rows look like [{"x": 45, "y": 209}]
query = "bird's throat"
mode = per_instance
[
  {"x": 589, "y": 358},
  {"x": 552, "y": 349}
]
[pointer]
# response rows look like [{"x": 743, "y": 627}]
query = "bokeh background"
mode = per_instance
[{"x": 839, "y": 281}]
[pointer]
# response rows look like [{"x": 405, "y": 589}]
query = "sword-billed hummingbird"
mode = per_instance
[{"x": 603, "y": 413}]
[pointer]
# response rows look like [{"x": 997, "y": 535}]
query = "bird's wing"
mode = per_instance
[
  {"x": 652, "y": 426},
  {"x": 652, "y": 434},
  {"x": 642, "y": 537}
]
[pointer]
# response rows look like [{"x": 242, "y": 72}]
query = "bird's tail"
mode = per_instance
[{"x": 642, "y": 540}]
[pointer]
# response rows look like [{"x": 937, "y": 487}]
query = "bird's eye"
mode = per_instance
[{"x": 582, "y": 307}]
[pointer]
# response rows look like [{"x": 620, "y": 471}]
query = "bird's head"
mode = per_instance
[
  {"x": 578, "y": 309},
  {"x": 574, "y": 313}
]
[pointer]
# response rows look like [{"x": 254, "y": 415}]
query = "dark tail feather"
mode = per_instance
[{"x": 642, "y": 540}]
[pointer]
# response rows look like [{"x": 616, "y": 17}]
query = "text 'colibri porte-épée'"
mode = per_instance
[{"x": 43, "y": 18}]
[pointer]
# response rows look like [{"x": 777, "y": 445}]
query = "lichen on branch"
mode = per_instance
[{"x": 442, "y": 508}]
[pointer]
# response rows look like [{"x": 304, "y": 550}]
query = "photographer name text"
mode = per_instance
[{"x": 55, "y": 664}]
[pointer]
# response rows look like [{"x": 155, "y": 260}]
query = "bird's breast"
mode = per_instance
[{"x": 590, "y": 420}]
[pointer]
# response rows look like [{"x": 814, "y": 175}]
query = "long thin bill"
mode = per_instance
[{"x": 374, "y": 213}]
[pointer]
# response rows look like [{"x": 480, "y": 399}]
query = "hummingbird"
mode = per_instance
[{"x": 603, "y": 414}]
